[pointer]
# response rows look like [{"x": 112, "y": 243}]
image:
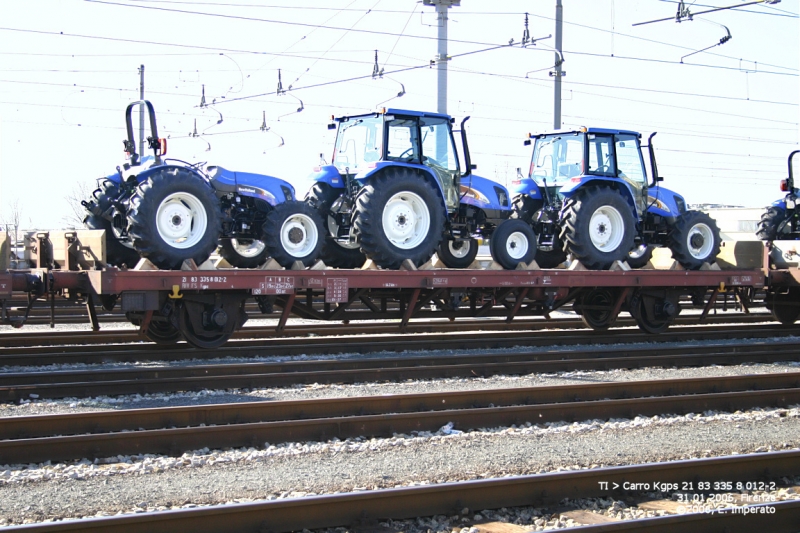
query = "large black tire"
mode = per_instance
[
  {"x": 321, "y": 197},
  {"x": 552, "y": 256},
  {"x": 773, "y": 224},
  {"x": 175, "y": 216},
  {"x": 640, "y": 256},
  {"x": 293, "y": 232},
  {"x": 513, "y": 242},
  {"x": 694, "y": 239},
  {"x": 399, "y": 215},
  {"x": 243, "y": 253},
  {"x": 117, "y": 253},
  {"x": 457, "y": 253},
  {"x": 598, "y": 227}
]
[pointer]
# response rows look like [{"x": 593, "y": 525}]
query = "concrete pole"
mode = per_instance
[
  {"x": 441, "y": 58},
  {"x": 557, "y": 74},
  {"x": 141, "y": 111}
]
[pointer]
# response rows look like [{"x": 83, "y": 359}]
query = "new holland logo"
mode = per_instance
[{"x": 252, "y": 190}]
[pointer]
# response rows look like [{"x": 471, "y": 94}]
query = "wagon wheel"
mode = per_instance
[
  {"x": 208, "y": 326},
  {"x": 597, "y": 308}
]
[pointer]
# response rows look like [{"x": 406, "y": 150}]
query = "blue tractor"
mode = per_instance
[
  {"x": 396, "y": 190},
  {"x": 169, "y": 211},
  {"x": 587, "y": 194},
  {"x": 781, "y": 221}
]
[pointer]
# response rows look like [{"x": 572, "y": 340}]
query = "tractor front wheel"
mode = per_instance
[
  {"x": 513, "y": 242},
  {"x": 244, "y": 253},
  {"x": 175, "y": 216},
  {"x": 399, "y": 215},
  {"x": 694, "y": 240},
  {"x": 598, "y": 227},
  {"x": 457, "y": 253},
  {"x": 293, "y": 232}
]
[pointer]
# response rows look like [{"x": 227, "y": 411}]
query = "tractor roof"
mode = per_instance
[
  {"x": 594, "y": 130},
  {"x": 406, "y": 112}
]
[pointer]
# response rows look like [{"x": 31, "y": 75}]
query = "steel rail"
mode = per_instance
[
  {"x": 142, "y": 352},
  {"x": 36, "y": 439},
  {"x": 87, "y": 383},
  {"x": 105, "y": 336},
  {"x": 539, "y": 490}
]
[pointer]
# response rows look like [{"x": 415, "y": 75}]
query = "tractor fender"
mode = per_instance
[
  {"x": 779, "y": 203},
  {"x": 127, "y": 171},
  {"x": 575, "y": 184},
  {"x": 484, "y": 194},
  {"x": 270, "y": 189},
  {"x": 146, "y": 173},
  {"x": 380, "y": 167},
  {"x": 328, "y": 174},
  {"x": 526, "y": 186}
]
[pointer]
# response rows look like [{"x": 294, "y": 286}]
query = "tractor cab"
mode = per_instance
[
  {"x": 365, "y": 143},
  {"x": 563, "y": 162}
]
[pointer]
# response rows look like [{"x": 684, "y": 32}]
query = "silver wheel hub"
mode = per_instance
[
  {"x": 299, "y": 235},
  {"x": 406, "y": 220},
  {"x": 517, "y": 245},
  {"x": 606, "y": 228},
  {"x": 181, "y": 220}
]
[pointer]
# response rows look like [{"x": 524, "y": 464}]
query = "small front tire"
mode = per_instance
[
  {"x": 694, "y": 240},
  {"x": 513, "y": 242},
  {"x": 459, "y": 253},
  {"x": 243, "y": 253},
  {"x": 293, "y": 232}
]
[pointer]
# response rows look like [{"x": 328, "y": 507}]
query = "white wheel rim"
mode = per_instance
[
  {"x": 181, "y": 220},
  {"x": 333, "y": 229},
  {"x": 248, "y": 247},
  {"x": 406, "y": 220},
  {"x": 299, "y": 235},
  {"x": 638, "y": 252},
  {"x": 517, "y": 245},
  {"x": 700, "y": 241},
  {"x": 460, "y": 251},
  {"x": 606, "y": 228}
]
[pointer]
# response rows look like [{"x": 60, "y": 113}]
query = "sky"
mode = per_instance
[{"x": 727, "y": 117}]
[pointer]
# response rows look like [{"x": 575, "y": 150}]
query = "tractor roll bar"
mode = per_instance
[{"x": 153, "y": 141}]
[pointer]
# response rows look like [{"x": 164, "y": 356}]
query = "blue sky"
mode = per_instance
[{"x": 727, "y": 118}]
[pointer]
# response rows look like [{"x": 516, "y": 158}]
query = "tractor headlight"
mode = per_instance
[
  {"x": 287, "y": 193},
  {"x": 502, "y": 196}
]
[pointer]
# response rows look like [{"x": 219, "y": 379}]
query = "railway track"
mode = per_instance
[
  {"x": 542, "y": 490},
  {"x": 94, "y": 435},
  {"x": 17, "y": 338},
  {"x": 247, "y": 348},
  {"x": 15, "y": 386}
]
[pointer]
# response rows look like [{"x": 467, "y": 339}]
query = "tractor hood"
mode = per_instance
[{"x": 268, "y": 188}]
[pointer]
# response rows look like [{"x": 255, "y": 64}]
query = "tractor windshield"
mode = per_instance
[
  {"x": 358, "y": 142},
  {"x": 557, "y": 158}
]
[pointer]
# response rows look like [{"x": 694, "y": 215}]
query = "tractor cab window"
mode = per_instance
[
  {"x": 358, "y": 142},
  {"x": 630, "y": 165},
  {"x": 437, "y": 144},
  {"x": 438, "y": 153},
  {"x": 402, "y": 140},
  {"x": 557, "y": 158},
  {"x": 601, "y": 155}
]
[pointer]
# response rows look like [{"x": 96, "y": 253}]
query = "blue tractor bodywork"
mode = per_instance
[
  {"x": 567, "y": 168},
  {"x": 409, "y": 143},
  {"x": 245, "y": 199},
  {"x": 781, "y": 220}
]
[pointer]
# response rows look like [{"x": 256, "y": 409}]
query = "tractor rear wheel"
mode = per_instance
[
  {"x": 175, "y": 216},
  {"x": 457, "y": 253},
  {"x": 118, "y": 253},
  {"x": 399, "y": 215},
  {"x": 293, "y": 232},
  {"x": 244, "y": 253},
  {"x": 773, "y": 224},
  {"x": 513, "y": 242},
  {"x": 694, "y": 240},
  {"x": 598, "y": 227},
  {"x": 334, "y": 253}
]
